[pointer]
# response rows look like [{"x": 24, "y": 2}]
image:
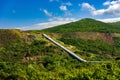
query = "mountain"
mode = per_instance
[
  {"x": 84, "y": 25},
  {"x": 27, "y": 55}
]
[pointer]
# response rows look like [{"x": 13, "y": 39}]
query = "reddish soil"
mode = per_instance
[{"x": 107, "y": 37}]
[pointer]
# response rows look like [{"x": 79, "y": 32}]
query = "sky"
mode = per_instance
[{"x": 40, "y": 14}]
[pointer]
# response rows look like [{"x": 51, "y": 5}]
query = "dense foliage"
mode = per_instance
[
  {"x": 59, "y": 66},
  {"x": 115, "y": 25}
]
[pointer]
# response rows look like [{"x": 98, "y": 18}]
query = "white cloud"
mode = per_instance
[
  {"x": 113, "y": 8},
  {"x": 106, "y": 3},
  {"x": 110, "y": 20},
  {"x": 98, "y": 12},
  {"x": 62, "y": 19},
  {"x": 63, "y": 8},
  {"x": 47, "y": 13},
  {"x": 87, "y": 6},
  {"x": 52, "y": 22}
]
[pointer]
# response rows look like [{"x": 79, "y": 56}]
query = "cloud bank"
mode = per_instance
[
  {"x": 52, "y": 22},
  {"x": 112, "y": 9},
  {"x": 110, "y": 20}
]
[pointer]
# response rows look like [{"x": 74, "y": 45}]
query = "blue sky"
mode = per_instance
[{"x": 39, "y": 14}]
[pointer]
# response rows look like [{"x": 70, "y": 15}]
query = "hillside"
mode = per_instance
[
  {"x": 84, "y": 25},
  {"x": 116, "y": 25},
  {"x": 9, "y": 36},
  {"x": 27, "y": 55}
]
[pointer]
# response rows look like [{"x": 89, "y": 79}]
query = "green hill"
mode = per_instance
[{"x": 84, "y": 25}]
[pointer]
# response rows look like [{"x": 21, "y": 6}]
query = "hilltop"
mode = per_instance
[{"x": 84, "y": 25}]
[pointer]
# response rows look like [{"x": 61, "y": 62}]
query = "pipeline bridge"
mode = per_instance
[{"x": 68, "y": 51}]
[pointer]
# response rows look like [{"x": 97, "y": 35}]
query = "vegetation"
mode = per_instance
[
  {"x": 115, "y": 24},
  {"x": 29, "y": 56},
  {"x": 9, "y": 36},
  {"x": 62, "y": 67}
]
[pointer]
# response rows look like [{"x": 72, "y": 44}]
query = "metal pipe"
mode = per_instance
[{"x": 65, "y": 49}]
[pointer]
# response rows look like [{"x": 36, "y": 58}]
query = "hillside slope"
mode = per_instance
[
  {"x": 117, "y": 24},
  {"x": 9, "y": 36},
  {"x": 26, "y": 55}
]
